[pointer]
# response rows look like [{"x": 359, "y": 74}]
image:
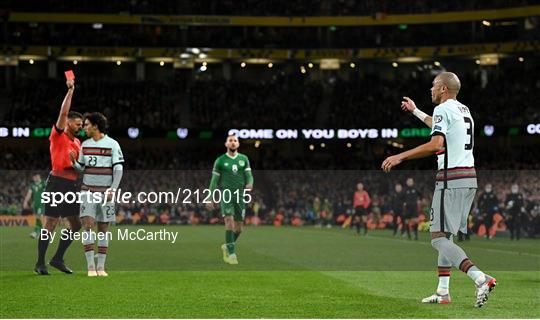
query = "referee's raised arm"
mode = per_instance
[{"x": 66, "y": 105}]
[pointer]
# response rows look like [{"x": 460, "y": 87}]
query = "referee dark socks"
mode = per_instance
[
  {"x": 43, "y": 244},
  {"x": 62, "y": 247}
]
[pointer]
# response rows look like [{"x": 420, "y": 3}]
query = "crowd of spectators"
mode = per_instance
[
  {"x": 503, "y": 96},
  {"x": 260, "y": 8},
  {"x": 285, "y": 197},
  {"x": 285, "y": 100},
  {"x": 126, "y": 103}
]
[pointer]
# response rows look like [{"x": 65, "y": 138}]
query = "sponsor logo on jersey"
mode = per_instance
[{"x": 437, "y": 128}]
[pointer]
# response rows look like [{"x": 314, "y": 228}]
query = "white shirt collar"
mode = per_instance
[{"x": 236, "y": 155}]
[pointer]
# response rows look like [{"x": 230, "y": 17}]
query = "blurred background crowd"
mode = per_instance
[
  {"x": 505, "y": 96},
  {"x": 321, "y": 198}
]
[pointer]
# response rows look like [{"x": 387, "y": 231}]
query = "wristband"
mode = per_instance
[{"x": 419, "y": 114}]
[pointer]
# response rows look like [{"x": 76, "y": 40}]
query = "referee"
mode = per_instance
[{"x": 62, "y": 178}]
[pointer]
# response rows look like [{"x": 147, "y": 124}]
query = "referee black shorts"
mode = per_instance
[
  {"x": 410, "y": 212},
  {"x": 359, "y": 211},
  {"x": 63, "y": 209}
]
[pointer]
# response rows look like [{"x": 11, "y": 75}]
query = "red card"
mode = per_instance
[{"x": 69, "y": 75}]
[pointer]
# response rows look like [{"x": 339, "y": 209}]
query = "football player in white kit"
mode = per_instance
[
  {"x": 101, "y": 162},
  {"x": 452, "y": 140}
]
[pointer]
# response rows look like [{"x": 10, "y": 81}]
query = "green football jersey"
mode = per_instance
[
  {"x": 37, "y": 188},
  {"x": 232, "y": 173}
]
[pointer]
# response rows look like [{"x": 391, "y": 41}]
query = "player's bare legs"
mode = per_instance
[
  {"x": 103, "y": 245},
  {"x": 88, "y": 243},
  {"x": 450, "y": 255}
]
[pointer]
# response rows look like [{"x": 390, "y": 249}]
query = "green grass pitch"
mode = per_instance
[{"x": 283, "y": 272}]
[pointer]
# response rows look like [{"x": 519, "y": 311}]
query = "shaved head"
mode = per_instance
[
  {"x": 451, "y": 81},
  {"x": 446, "y": 85}
]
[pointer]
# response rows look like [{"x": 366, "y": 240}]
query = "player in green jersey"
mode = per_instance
[
  {"x": 231, "y": 183},
  {"x": 34, "y": 194}
]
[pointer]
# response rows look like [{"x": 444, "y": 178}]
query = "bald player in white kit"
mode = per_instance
[{"x": 452, "y": 140}]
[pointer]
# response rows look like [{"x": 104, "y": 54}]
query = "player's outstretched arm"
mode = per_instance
[
  {"x": 409, "y": 105},
  {"x": 425, "y": 150},
  {"x": 66, "y": 105}
]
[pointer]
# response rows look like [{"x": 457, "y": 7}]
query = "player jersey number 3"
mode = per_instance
[{"x": 469, "y": 131}]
